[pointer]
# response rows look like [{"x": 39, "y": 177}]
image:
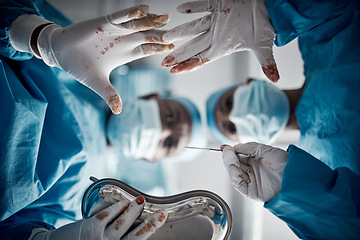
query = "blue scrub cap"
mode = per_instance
[
  {"x": 210, "y": 116},
  {"x": 197, "y": 138}
]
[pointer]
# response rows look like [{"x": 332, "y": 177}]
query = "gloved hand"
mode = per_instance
[
  {"x": 255, "y": 169},
  {"x": 233, "y": 25},
  {"x": 90, "y": 50},
  {"x": 111, "y": 223}
]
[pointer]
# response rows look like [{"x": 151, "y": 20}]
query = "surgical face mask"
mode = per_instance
[
  {"x": 135, "y": 132},
  {"x": 260, "y": 112}
]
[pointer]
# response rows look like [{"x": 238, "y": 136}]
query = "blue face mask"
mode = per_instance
[
  {"x": 260, "y": 112},
  {"x": 135, "y": 132}
]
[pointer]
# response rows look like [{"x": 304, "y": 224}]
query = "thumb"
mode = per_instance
[
  {"x": 267, "y": 62},
  {"x": 109, "y": 94},
  {"x": 250, "y": 148},
  {"x": 112, "y": 99}
]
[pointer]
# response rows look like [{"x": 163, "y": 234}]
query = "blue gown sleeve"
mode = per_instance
[
  {"x": 20, "y": 228},
  {"x": 10, "y": 10},
  {"x": 291, "y": 18},
  {"x": 317, "y": 202}
]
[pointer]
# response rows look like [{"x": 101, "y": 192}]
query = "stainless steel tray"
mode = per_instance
[{"x": 195, "y": 214}]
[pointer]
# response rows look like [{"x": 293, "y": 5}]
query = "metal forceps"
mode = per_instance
[
  {"x": 214, "y": 149},
  {"x": 205, "y": 148}
]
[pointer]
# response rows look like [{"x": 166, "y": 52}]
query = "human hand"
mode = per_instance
[
  {"x": 90, "y": 50},
  {"x": 111, "y": 223},
  {"x": 255, "y": 169},
  {"x": 232, "y": 26}
]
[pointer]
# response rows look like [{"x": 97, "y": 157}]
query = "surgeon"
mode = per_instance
[
  {"x": 152, "y": 130},
  {"x": 255, "y": 110},
  {"x": 53, "y": 128},
  {"x": 313, "y": 187}
]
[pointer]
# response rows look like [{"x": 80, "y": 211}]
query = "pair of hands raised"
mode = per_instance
[{"x": 90, "y": 50}]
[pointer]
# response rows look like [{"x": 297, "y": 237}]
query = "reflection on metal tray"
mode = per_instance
[{"x": 196, "y": 214}]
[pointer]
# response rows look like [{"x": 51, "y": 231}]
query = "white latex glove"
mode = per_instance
[
  {"x": 111, "y": 223},
  {"x": 233, "y": 26},
  {"x": 90, "y": 50},
  {"x": 257, "y": 174}
]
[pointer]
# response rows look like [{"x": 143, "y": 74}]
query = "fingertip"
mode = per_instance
[
  {"x": 271, "y": 72},
  {"x": 175, "y": 70},
  {"x": 139, "y": 12},
  {"x": 140, "y": 200},
  {"x": 168, "y": 61},
  {"x": 163, "y": 215},
  {"x": 164, "y": 18},
  {"x": 222, "y": 147},
  {"x": 115, "y": 103}
]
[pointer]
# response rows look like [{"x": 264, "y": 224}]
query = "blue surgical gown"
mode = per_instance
[
  {"x": 52, "y": 135},
  {"x": 320, "y": 194}
]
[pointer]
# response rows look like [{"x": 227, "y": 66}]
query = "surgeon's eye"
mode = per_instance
[
  {"x": 168, "y": 143},
  {"x": 231, "y": 128},
  {"x": 229, "y": 103},
  {"x": 169, "y": 117}
]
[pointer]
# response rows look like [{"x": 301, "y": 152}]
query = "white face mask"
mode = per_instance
[
  {"x": 260, "y": 112},
  {"x": 135, "y": 132}
]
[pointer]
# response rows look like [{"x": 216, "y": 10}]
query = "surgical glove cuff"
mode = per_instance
[
  {"x": 44, "y": 45},
  {"x": 40, "y": 234},
  {"x": 21, "y": 30}
]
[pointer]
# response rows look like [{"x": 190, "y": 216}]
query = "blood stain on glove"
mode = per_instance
[
  {"x": 158, "y": 49},
  {"x": 100, "y": 31},
  {"x": 161, "y": 218},
  {"x": 271, "y": 71},
  {"x": 140, "y": 200},
  {"x": 151, "y": 224},
  {"x": 137, "y": 13},
  {"x": 189, "y": 65},
  {"x": 152, "y": 21},
  {"x": 225, "y": 11},
  {"x": 168, "y": 61},
  {"x": 101, "y": 215},
  {"x": 152, "y": 39},
  {"x": 115, "y": 103},
  {"x": 146, "y": 228},
  {"x": 118, "y": 224}
]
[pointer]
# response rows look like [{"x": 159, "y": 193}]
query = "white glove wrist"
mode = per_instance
[
  {"x": 21, "y": 30},
  {"x": 40, "y": 234},
  {"x": 44, "y": 45}
]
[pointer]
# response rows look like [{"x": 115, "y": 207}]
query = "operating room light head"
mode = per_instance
[{"x": 150, "y": 128}]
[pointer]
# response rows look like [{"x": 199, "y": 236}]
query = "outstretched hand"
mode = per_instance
[
  {"x": 90, "y": 50},
  {"x": 231, "y": 26}
]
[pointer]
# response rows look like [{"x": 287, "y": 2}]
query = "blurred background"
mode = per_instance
[{"x": 206, "y": 172}]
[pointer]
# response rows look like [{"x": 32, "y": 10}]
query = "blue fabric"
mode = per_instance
[
  {"x": 317, "y": 202},
  {"x": 329, "y": 108},
  {"x": 320, "y": 199},
  {"x": 11, "y": 9},
  {"x": 48, "y": 146}
]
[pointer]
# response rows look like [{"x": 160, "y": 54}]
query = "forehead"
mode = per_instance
[{"x": 165, "y": 103}]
